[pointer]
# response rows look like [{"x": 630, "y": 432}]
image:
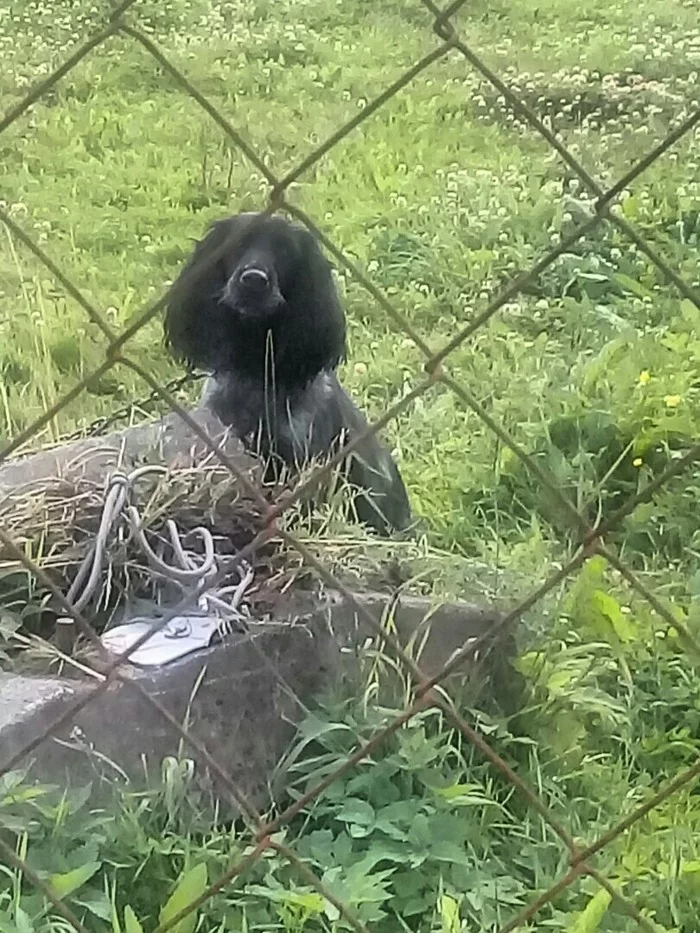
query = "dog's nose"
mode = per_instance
[{"x": 255, "y": 279}]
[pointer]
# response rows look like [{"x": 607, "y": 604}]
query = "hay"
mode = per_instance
[{"x": 55, "y": 521}]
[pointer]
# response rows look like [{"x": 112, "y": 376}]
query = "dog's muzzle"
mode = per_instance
[{"x": 252, "y": 291}]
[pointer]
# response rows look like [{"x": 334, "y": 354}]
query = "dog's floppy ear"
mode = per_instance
[
  {"x": 315, "y": 298},
  {"x": 192, "y": 312}
]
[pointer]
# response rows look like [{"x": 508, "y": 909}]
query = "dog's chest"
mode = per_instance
[{"x": 289, "y": 424}]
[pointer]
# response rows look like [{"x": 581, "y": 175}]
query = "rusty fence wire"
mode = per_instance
[{"x": 265, "y": 834}]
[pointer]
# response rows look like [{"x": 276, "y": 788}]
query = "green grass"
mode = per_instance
[{"x": 442, "y": 196}]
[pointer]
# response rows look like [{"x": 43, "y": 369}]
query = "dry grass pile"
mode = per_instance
[{"x": 56, "y": 522}]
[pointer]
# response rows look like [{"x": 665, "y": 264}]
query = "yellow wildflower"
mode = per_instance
[
  {"x": 672, "y": 401},
  {"x": 644, "y": 377},
  {"x": 637, "y": 462}
]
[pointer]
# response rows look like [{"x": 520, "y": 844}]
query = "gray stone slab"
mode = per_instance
[
  {"x": 167, "y": 440},
  {"x": 240, "y": 699}
]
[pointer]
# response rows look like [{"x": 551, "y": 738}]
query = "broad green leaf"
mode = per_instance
[
  {"x": 560, "y": 680},
  {"x": 23, "y": 921},
  {"x": 99, "y": 906},
  {"x": 465, "y": 795},
  {"x": 565, "y": 732},
  {"x": 590, "y": 577},
  {"x": 449, "y": 914},
  {"x": 309, "y": 901},
  {"x": 610, "y": 609},
  {"x": 11, "y": 780},
  {"x": 331, "y": 911},
  {"x": 690, "y": 312},
  {"x": 630, "y": 207},
  {"x": 131, "y": 923},
  {"x": 592, "y": 607},
  {"x": 70, "y": 881},
  {"x": 357, "y": 812},
  {"x": 23, "y": 795},
  {"x": 189, "y": 888},
  {"x": 589, "y": 920},
  {"x": 632, "y": 285}
]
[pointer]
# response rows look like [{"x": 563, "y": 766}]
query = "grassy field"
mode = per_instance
[{"x": 441, "y": 197}]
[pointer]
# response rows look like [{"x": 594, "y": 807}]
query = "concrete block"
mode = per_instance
[{"x": 240, "y": 699}]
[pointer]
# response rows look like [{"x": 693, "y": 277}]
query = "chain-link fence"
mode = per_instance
[{"x": 426, "y": 691}]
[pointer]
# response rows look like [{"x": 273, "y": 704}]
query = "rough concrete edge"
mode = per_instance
[
  {"x": 315, "y": 649},
  {"x": 36, "y": 702},
  {"x": 169, "y": 437}
]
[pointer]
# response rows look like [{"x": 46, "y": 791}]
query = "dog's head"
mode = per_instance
[{"x": 253, "y": 277}]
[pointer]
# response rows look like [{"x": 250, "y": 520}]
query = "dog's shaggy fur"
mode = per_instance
[{"x": 256, "y": 306}]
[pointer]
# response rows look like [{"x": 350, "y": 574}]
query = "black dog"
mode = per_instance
[{"x": 264, "y": 317}]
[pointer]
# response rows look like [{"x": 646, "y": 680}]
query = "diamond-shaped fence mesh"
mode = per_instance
[{"x": 266, "y": 835}]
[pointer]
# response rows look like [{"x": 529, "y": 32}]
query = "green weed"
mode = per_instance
[{"x": 442, "y": 197}]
